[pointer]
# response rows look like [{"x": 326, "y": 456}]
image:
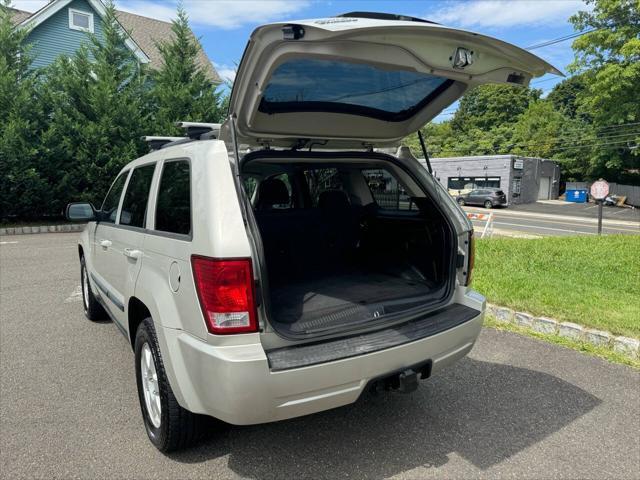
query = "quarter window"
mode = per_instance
[
  {"x": 79, "y": 20},
  {"x": 134, "y": 205},
  {"x": 111, "y": 201},
  {"x": 173, "y": 209}
]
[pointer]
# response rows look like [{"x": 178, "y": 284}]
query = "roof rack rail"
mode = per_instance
[
  {"x": 156, "y": 142},
  {"x": 197, "y": 130}
]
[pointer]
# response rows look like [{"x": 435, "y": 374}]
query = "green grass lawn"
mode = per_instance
[{"x": 594, "y": 281}]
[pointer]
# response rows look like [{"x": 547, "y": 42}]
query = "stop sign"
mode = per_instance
[{"x": 599, "y": 189}]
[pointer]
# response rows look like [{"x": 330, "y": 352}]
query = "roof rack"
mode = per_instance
[
  {"x": 200, "y": 131},
  {"x": 156, "y": 143}
]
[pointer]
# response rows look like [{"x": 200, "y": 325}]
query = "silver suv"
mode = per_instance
[{"x": 282, "y": 263}]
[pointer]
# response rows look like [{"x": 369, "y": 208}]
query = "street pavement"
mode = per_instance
[
  {"x": 515, "y": 408},
  {"x": 556, "y": 218}
]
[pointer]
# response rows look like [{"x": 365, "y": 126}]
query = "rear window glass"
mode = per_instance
[
  {"x": 134, "y": 205},
  {"x": 173, "y": 209},
  {"x": 387, "y": 192},
  {"x": 321, "y": 180},
  {"x": 344, "y": 87}
]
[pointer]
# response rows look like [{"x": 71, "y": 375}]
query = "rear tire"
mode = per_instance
[
  {"x": 461, "y": 202},
  {"x": 488, "y": 204},
  {"x": 92, "y": 308},
  {"x": 169, "y": 426}
]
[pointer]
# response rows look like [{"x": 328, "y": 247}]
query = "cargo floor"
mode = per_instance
[{"x": 314, "y": 305}]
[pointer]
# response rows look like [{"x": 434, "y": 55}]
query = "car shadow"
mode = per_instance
[{"x": 484, "y": 412}]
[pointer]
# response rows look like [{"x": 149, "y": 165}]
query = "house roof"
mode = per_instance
[
  {"x": 143, "y": 33},
  {"x": 18, "y": 16},
  {"x": 147, "y": 31}
]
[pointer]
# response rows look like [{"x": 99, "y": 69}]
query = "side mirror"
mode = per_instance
[{"x": 80, "y": 212}]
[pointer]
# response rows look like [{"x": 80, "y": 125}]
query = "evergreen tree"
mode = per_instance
[
  {"x": 22, "y": 189},
  {"x": 97, "y": 104},
  {"x": 181, "y": 88}
]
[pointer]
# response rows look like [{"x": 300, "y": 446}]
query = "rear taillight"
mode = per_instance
[
  {"x": 226, "y": 293},
  {"x": 471, "y": 253}
]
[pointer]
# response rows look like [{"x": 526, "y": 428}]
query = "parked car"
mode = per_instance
[
  {"x": 487, "y": 197},
  {"x": 252, "y": 268}
]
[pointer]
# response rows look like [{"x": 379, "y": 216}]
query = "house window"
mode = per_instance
[{"x": 79, "y": 20}]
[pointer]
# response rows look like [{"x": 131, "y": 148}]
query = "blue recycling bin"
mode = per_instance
[{"x": 576, "y": 196}]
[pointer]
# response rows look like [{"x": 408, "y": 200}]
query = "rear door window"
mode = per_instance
[
  {"x": 112, "y": 200},
  {"x": 173, "y": 208},
  {"x": 387, "y": 192},
  {"x": 134, "y": 205}
]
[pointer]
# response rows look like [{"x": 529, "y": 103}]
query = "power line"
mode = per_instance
[
  {"x": 612, "y": 144},
  {"x": 560, "y": 39},
  {"x": 543, "y": 81},
  {"x": 562, "y": 139}
]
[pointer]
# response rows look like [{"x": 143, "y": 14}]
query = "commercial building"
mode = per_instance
[{"x": 523, "y": 179}]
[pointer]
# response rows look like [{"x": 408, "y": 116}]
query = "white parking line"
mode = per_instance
[
  {"x": 7, "y": 243},
  {"x": 76, "y": 295}
]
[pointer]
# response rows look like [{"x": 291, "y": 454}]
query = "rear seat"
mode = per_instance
[{"x": 300, "y": 241}]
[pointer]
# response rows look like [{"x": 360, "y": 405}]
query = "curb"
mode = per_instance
[
  {"x": 75, "y": 227},
  {"x": 627, "y": 346}
]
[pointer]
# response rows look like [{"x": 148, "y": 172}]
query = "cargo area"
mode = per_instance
[{"x": 346, "y": 246}]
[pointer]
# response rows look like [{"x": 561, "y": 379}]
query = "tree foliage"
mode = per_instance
[
  {"x": 97, "y": 113},
  {"x": 66, "y": 130},
  {"x": 490, "y": 106},
  {"x": 588, "y": 122},
  {"x": 20, "y": 120},
  {"x": 181, "y": 89},
  {"x": 611, "y": 56}
]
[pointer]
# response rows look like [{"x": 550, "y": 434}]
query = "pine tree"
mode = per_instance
[
  {"x": 22, "y": 190},
  {"x": 97, "y": 104},
  {"x": 181, "y": 88}
]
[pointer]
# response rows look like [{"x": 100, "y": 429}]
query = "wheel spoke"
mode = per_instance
[{"x": 150, "y": 386}]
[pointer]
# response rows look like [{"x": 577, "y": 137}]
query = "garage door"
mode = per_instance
[{"x": 545, "y": 184}]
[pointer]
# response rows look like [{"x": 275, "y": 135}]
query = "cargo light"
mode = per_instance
[{"x": 226, "y": 292}]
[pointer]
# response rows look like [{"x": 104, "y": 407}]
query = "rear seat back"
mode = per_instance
[{"x": 299, "y": 241}]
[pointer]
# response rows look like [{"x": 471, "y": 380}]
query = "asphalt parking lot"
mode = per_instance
[{"x": 515, "y": 408}]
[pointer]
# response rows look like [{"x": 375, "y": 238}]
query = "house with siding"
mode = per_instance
[{"x": 61, "y": 26}]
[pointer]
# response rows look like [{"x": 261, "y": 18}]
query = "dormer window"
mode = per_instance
[{"x": 79, "y": 20}]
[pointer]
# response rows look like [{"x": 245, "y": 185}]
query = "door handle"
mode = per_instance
[
  {"x": 105, "y": 243},
  {"x": 132, "y": 253}
]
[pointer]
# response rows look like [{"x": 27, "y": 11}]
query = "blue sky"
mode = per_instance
[{"x": 225, "y": 25}]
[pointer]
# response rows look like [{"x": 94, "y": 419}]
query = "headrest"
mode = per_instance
[
  {"x": 334, "y": 200},
  {"x": 272, "y": 191}
]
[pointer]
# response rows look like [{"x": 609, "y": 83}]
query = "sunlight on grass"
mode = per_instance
[{"x": 594, "y": 281}]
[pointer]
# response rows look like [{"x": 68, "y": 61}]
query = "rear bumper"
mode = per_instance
[{"x": 236, "y": 384}]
